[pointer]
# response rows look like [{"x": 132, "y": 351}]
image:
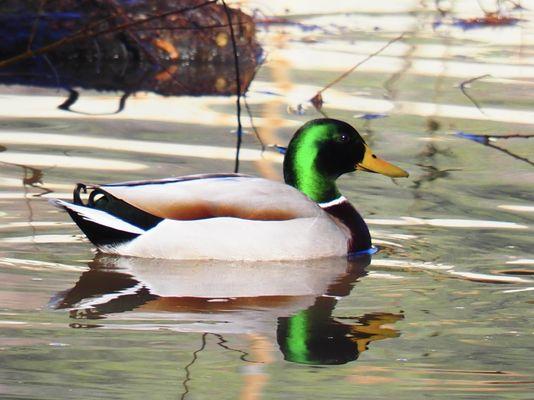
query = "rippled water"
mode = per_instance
[{"x": 444, "y": 310}]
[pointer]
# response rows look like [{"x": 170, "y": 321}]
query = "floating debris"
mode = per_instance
[
  {"x": 370, "y": 117},
  {"x": 317, "y": 101},
  {"x": 483, "y": 139},
  {"x": 491, "y": 19}
]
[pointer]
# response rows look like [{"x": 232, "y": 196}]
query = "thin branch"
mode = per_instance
[
  {"x": 485, "y": 141},
  {"x": 53, "y": 69},
  {"x": 238, "y": 87},
  {"x": 464, "y": 91},
  {"x": 512, "y": 136},
  {"x": 84, "y": 34},
  {"x": 35, "y": 24},
  {"x": 249, "y": 112},
  {"x": 188, "y": 28},
  {"x": 486, "y": 12},
  {"x": 251, "y": 120},
  {"x": 348, "y": 72},
  {"x": 508, "y": 152}
]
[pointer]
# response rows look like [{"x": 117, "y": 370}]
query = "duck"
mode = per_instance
[{"x": 230, "y": 216}]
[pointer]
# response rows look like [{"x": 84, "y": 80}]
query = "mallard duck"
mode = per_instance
[{"x": 240, "y": 217}]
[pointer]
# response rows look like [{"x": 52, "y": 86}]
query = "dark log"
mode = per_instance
[{"x": 170, "y": 47}]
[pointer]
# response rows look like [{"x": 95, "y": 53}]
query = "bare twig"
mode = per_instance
[
  {"x": 188, "y": 28},
  {"x": 251, "y": 120},
  {"x": 508, "y": 152},
  {"x": 238, "y": 87},
  {"x": 249, "y": 112},
  {"x": 53, "y": 69},
  {"x": 35, "y": 24},
  {"x": 349, "y": 71},
  {"x": 512, "y": 136},
  {"x": 482, "y": 8},
  {"x": 485, "y": 140},
  {"x": 463, "y": 86}
]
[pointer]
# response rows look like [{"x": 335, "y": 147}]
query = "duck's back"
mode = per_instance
[{"x": 198, "y": 197}]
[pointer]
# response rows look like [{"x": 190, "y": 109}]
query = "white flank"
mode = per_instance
[{"x": 238, "y": 239}]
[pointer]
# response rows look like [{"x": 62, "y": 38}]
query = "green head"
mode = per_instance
[{"x": 322, "y": 150}]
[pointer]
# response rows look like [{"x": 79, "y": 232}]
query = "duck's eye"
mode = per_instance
[{"x": 343, "y": 138}]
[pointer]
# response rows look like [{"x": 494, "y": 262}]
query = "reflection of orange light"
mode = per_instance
[
  {"x": 172, "y": 53},
  {"x": 168, "y": 47},
  {"x": 490, "y": 19},
  {"x": 261, "y": 352},
  {"x": 271, "y": 110},
  {"x": 220, "y": 84},
  {"x": 376, "y": 327},
  {"x": 221, "y": 39},
  {"x": 167, "y": 74}
]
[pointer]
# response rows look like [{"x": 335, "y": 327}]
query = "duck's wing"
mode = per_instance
[{"x": 208, "y": 196}]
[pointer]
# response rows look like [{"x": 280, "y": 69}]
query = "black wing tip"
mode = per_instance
[{"x": 100, "y": 235}]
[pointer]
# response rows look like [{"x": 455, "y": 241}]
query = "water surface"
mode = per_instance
[{"x": 444, "y": 310}]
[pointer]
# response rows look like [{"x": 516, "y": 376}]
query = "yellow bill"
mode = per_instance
[{"x": 372, "y": 163}]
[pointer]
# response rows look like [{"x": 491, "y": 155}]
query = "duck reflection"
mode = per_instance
[{"x": 290, "y": 301}]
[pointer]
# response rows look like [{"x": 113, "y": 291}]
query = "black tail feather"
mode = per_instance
[
  {"x": 76, "y": 194},
  {"x": 100, "y": 235}
]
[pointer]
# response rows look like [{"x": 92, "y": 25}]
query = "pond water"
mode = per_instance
[{"x": 443, "y": 310}]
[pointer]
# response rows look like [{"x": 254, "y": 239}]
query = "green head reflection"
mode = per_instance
[{"x": 314, "y": 337}]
